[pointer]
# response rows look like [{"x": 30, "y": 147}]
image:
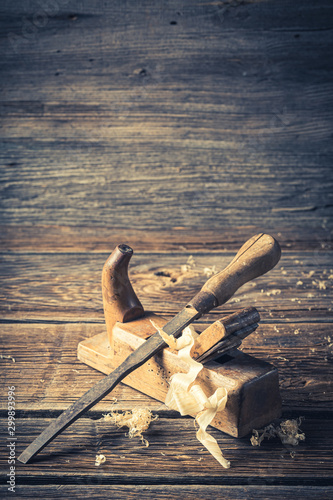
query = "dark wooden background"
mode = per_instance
[{"x": 180, "y": 128}]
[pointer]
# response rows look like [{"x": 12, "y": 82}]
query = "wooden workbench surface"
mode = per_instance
[{"x": 182, "y": 129}]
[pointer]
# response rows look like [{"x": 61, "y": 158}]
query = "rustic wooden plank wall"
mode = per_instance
[
  {"x": 181, "y": 128},
  {"x": 122, "y": 113}
]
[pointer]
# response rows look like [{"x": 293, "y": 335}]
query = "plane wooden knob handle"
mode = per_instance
[
  {"x": 256, "y": 257},
  {"x": 119, "y": 299}
]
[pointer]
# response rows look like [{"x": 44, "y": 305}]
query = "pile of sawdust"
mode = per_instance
[
  {"x": 288, "y": 431},
  {"x": 187, "y": 271},
  {"x": 137, "y": 421}
]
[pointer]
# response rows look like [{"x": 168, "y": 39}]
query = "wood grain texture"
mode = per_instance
[
  {"x": 171, "y": 461},
  {"x": 68, "y": 286},
  {"x": 73, "y": 239},
  {"x": 180, "y": 128},
  {"x": 215, "y": 112},
  {"x": 156, "y": 492}
]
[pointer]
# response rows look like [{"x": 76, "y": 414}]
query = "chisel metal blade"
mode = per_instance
[{"x": 153, "y": 345}]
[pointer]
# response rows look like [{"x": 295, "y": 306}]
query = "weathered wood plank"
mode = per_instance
[
  {"x": 167, "y": 491},
  {"x": 67, "y": 286},
  {"x": 47, "y": 375},
  {"x": 174, "y": 455},
  {"x": 199, "y": 30},
  {"x": 73, "y": 239},
  {"x": 212, "y": 193},
  {"x": 198, "y": 123},
  {"x": 46, "y": 372},
  {"x": 254, "y": 15},
  {"x": 195, "y": 492},
  {"x": 168, "y": 118}
]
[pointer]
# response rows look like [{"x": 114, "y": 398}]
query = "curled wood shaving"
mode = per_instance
[
  {"x": 288, "y": 431},
  {"x": 4, "y": 356},
  {"x": 190, "y": 399},
  {"x": 137, "y": 421},
  {"x": 100, "y": 459},
  {"x": 172, "y": 342}
]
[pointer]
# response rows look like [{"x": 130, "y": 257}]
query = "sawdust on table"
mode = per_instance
[
  {"x": 189, "y": 270},
  {"x": 137, "y": 420},
  {"x": 320, "y": 284},
  {"x": 100, "y": 459},
  {"x": 288, "y": 431}
]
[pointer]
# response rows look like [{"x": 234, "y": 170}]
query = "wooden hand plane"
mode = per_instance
[{"x": 252, "y": 385}]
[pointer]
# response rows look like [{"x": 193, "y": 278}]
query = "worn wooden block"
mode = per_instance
[{"x": 252, "y": 385}]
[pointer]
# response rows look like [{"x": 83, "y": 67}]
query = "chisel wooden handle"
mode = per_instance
[{"x": 257, "y": 256}]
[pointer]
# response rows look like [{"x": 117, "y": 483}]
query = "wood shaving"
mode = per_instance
[
  {"x": 320, "y": 284},
  {"x": 172, "y": 342},
  {"x": 4, "y": 356},
  {"x": 169, "y": 339},
  {"x": 299, "y": 283},
  {"x": 190, "y": 399},
  {"x": 137, "y": 420},
  {"x": 190, "y": 264},
  {"x": 210, "y": 271},
  {"x": 100, "y": 459},
  {"x": 190, "y": 269},
  {"x": 288, "y": 432},
  {"x": 187, "y": 271},
  {"x": 274, "y": 292}
]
